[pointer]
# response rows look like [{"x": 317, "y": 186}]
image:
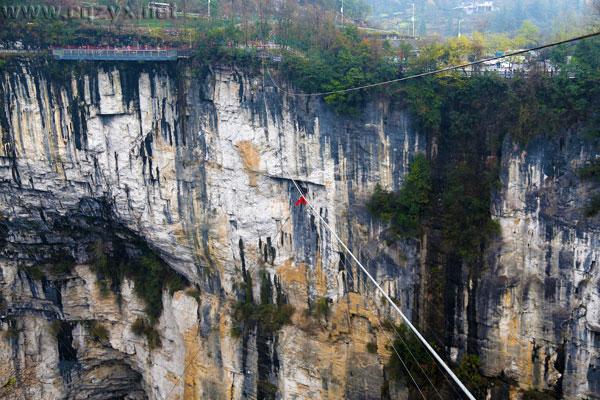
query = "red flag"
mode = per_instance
[{"x": 301, "y": 201}]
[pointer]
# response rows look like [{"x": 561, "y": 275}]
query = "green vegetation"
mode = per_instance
[
  {"x": 63, "y": 265},
  {"x": 318, "y": 55},
  {"x": 149, "y": 273},
  {"x": 469, "y": 372},
  {"x": 591, "y": 172},
  {"x": 467, "y": 223},
  {"x": 509, "y": 16},
  {"x": 268, "y": 317},
  {"x": 418, "y": 361},
  {"x": 266, "y": 388},
  {"x": 138, "y": 326},
  {"x": 471, "y": 117},
  {"x": 44, "y": 32},
  {"x": 12, "y": 381},
  {"x": 351, "y": 60},
  {"x": 533, "y": 394},
  {"x": 151, "y": 276},
  {"x": 56, "y": 327},
  {"x": 221, "y": 42},
  {"x": 97, "y": 331},
  {"x": 194, "y": 293},
  {"x": 407, "y": 208},
  {"x": 141, "y": 327},
  {"x": 60, "y": 264},
  {"x": 320, "y": 308},
  {"x": 421, "y": 364},
  {"x": 372, "y": 347},
  {"x": 35, "y": 272}
]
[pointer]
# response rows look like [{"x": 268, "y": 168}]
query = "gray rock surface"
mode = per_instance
[{"x": 200, "y": 168}]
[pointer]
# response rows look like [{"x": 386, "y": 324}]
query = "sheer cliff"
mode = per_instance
[
  {"x": 538, "y": 299},
  {"x": 191, "y": 172},
  {"x": 199, "y": 170}
]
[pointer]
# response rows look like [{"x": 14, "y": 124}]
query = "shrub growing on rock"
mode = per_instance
[
  {"x": 141, "y": 327},
  {"x": 98, "y": 332}
]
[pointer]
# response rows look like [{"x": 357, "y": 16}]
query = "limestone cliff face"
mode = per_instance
[
  {"x": 199, "y": 169},
  {"x": 538, "y": 303}
]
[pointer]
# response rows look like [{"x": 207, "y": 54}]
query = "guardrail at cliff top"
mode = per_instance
[{"x": 119, "y": 54}]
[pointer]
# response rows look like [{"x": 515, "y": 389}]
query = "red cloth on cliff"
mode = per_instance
[{"x": 301, "y": 201}]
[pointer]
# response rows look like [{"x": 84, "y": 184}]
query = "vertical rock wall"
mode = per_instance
[
  {"x": 200, "y": 168},
  {"x": 537, "y": 305}
]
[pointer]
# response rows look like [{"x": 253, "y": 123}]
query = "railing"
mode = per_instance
[{"x": 100, "y": 54}]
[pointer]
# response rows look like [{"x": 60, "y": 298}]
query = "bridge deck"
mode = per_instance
[{"x": 118, "y": 54}]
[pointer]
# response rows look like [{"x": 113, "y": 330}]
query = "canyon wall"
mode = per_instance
[
  {"x": 199, "y": 167},
  {"x": 538, "y": 310}
]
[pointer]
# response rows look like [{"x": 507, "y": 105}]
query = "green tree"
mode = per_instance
[
  {"x": 357, "y": 9},
  {"x": 467, "y": 224},
  {"x": 468, "y": 372},
  {"x": 415, "y": 358},
  {"x": 528, "y": 34},
  {"x": 407, "y": 208}
]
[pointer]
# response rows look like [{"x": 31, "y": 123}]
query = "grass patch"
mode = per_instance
[
  {"x": 194, "y": 293},
  {"x": 98, "y": 332},
  {"x": 320, "y": 308},
  {"x": 141, "y": 327},
  {"x": 35, "y": 272},
  {"x": 267, "y": 316},
  {"x": 151, "y": 276}
]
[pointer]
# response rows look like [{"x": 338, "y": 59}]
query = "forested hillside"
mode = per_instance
[{"x": 443, "y": 16}]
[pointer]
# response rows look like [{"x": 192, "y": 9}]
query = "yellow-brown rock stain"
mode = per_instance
[
  {"x": 334, "y": 345},
  {"x": 515, "y": 348},
  {"x": 320, "y": 278},
  {"x": 250, "y": 159},
  {"x": 191, "y": 375},
  {"x": 293, "y": 277}
]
